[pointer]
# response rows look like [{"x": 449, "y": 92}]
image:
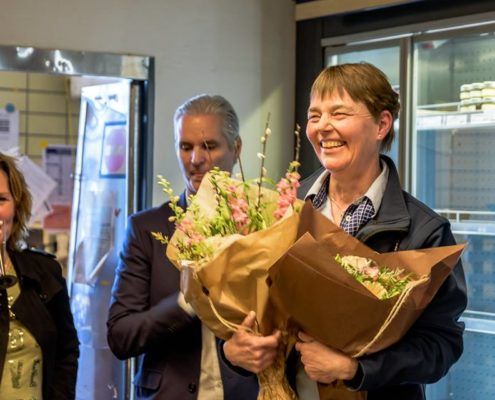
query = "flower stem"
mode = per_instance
[
  {"x": 297, "y": 133},
  {"x": 207, "y": 147},
  {"x": 263, "y": 156},
  {"x": 240, "y": 168}
]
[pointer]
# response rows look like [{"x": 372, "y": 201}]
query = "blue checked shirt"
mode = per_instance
[{"x": 359, "y": 212}]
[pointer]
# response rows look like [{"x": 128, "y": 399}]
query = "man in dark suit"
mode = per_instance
[{"x": 148, "y": 316}]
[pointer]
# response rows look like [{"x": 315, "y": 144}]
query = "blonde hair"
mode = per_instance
[
  {"x": 22, "y": 201},
  {"x": 364, "y": 83}
]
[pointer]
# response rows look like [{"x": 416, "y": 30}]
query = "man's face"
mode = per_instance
[{"x": 202, "y": 146}]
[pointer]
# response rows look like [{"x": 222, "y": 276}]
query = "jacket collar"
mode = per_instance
[
  {"x": 183, "y": 200},
  {"x": 22, "y": 265},
  {"x": 29, "y": 267},
  {"x": 392, "y": 214}
]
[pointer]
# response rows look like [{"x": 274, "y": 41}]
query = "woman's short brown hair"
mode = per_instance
[
  {"x": 22, "y": 200},
  {"x": 364, "y": 83}
]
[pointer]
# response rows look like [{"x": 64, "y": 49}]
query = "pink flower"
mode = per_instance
[
  {"x": 185, "y": 226},
  {"x": 287, "y": 189},
  {"x": 372, "y": 272},
  {"x": 239, "y": 208}
]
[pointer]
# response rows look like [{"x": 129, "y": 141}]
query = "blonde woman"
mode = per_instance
[{"x": 39, "y": 348}]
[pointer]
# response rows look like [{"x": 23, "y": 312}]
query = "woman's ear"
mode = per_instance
[{"x": 385, "y": 122}]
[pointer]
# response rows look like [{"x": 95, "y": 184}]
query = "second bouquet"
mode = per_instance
[{"x": 360, "y": 301}]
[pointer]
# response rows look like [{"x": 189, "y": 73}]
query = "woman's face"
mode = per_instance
[
  {"x": 345, "y": 136},
  {"x": 7, "y": 208}
]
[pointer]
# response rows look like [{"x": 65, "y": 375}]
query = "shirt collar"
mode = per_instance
[
  {"x": 377, "y": 189},
  {"x": 318, "y": 192}
]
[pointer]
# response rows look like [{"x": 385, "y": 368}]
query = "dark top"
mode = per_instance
[
  {"x": 434, "y": 343},
  {"x": 145, "y": 319},
  {"x": 43, "y": 308}
]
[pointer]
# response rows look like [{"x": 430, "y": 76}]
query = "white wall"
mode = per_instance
[{"x": 242, "y": 49}]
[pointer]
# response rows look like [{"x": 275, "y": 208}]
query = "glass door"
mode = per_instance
[
  {"x": 98, "y": 224},
  {"x": 454, "y": 173}
]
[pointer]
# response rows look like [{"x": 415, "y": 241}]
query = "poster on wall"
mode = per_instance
[
  {"x": 112, "y": 161},
  {"x": 9, "y": 128},
  {"x": 58, "y": 163}
]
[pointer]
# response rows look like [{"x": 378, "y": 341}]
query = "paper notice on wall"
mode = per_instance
[
  {"x": 40, "y": 185},
  {"x": 58, "y": 162},
  {"x": 9, "y": 129}
]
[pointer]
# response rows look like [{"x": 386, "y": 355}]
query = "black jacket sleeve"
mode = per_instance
[
  {"x": 134, "y": 324},
  {"x": 63, "y": 383},
  {"x": 434, "y": 343}
]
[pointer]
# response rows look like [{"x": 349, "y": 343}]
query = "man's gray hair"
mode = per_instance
[{"x": 211, "y": 105}]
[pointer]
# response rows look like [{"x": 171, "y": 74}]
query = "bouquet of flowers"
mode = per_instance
[
  {"x": 224, "y": 244},
  {"x": 382, "y": 281},
  {"x": 375, "y": 298}
]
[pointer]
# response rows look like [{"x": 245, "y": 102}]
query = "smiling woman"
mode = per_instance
[
  {"x": 350, "y": 121},
  {"x": 37, "y": 334},
  {"x": 347, "y": 127}
]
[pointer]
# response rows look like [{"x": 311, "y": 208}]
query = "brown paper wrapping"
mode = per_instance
[
  {"x": 234, "y": 281},
  {"x": 316, "y": 294}
]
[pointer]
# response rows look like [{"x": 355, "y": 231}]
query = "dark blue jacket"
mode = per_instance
[
  {"x": 145, "y": 319},
  {"x": 434, "y": 343}
]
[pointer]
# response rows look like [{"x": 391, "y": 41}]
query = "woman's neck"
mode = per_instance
[{"x": 345, "y": 189}]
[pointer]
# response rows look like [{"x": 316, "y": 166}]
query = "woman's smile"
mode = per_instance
[{"x": 331, "y": 144}]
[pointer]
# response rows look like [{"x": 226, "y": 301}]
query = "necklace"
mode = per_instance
[
  {"x": 340, "y": 210},
  {"x": 340, "y": 214}
]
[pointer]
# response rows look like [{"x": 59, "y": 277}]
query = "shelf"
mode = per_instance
[
  {"x": 480, "y": 322},
  {"x": 455, "y": 120},
  {"x": 470, "y": 222}
]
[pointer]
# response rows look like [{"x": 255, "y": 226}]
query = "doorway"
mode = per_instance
[{"x": 56, "y": 108}]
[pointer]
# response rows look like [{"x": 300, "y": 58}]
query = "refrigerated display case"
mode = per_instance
[
  {"x": 454, "y": 173},
  {"x": 447, "y": 88}
]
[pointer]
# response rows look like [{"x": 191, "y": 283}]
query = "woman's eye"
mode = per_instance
[
  {"x": 313, "y": 118},
  {"x": 185, "y": 147}
]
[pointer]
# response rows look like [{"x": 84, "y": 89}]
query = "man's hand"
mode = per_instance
[
  {"x": 324, "y": 364},
  {"x": 251, "y": 352}
]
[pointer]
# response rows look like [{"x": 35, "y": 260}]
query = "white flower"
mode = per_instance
[
  {"x": 357, "y": 263},
  {"x": 268, "y": 132},
  {"x": 260, "y": 155}
]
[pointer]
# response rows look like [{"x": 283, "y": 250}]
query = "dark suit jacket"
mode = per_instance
[{"x": 145, "y": 319}]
